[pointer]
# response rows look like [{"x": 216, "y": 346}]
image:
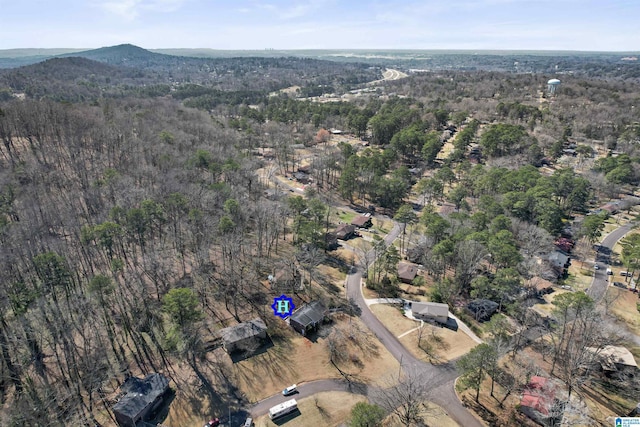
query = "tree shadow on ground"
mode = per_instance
[
  {"x": 481, "y": 410},
  {"x": 239, "y": 356}
]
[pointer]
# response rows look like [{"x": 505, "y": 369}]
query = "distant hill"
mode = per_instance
[
  {"x": 124, "y": 54},
  {"x": 71, "y": 79}
]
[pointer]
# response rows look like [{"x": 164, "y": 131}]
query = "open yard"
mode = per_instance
[
  {"x": 623, "y": 306},
  {"x": 295, "y": 359},
  {"x": 290, "y": 359},
  {"x": 437, "y": 345},
  {"x": 323, "y": 409}
]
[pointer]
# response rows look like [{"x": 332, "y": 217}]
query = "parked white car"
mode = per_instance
[{"x": 290, "y": 390}]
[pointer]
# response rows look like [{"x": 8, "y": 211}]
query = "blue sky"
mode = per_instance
[{"x": 595, "y": 25}]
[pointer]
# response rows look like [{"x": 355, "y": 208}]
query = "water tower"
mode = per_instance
[{"x": 552, "y": 86}]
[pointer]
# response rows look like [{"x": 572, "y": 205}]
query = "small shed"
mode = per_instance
[
  {"x": 430, "y": 311},
  {"x": 362, "y": 221},
  {"x": 407, "y": 272},
  {"x": 244, "y": 336},
  {"x": 308, "y": 318},
  {"x": 142, "y": 399}
]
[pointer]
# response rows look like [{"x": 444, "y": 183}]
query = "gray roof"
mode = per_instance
[
  {"x": 434, "y": 309},
  {"x": 242, "y": 331},
  {"x": 558, "y": 259},
  {"x": 309, "y": 314},
  {"x": 140, "y": 394},
  {"x": 407, "y": 271}
]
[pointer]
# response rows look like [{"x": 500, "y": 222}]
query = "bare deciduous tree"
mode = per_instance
[{"x": 405, "y": 396}]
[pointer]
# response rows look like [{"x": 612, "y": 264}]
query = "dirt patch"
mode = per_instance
[{"x": 323, "y": 409}]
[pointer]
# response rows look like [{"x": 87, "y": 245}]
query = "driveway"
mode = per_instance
[{"x": 600, "y": 279}]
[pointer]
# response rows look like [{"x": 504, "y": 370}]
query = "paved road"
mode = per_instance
[
  {"x": 306, "y": 390},
  {"x": 440, "y": 377},
  {"x": 600, "y": 279}
]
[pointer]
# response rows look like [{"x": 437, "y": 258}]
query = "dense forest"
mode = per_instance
[{"x": 132, "y": 212}]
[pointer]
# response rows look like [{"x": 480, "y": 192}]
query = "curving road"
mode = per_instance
[
  {"x": 600, "y": 279},
  {"x": 440, "y": 377}
]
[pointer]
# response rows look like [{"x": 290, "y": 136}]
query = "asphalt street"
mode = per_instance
[{"x": 600, "y": 279}]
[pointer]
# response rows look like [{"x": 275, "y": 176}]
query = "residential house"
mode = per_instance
[
  {"x": 611, "y": 207},
  {"x": 143, "y": 397},
  {"x": 244, "y": 336},
  {"x": 559, "y": 261},
  {"x": 407, "y": 272},
  {"x": 538, "y": 286},
  {"x": 301, "y": 177},
  {"x": 430, "y": 311},
  {"x": 362, "y": 221},
  {"x": 345, "y": 231},
  {"x": 308, "y": 318},
  {"x": 482, "y": 309},
  {"x": 616, "y": 359},
  {"x": 538, "y": 400}
]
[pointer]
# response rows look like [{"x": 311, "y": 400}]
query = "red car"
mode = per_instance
[{"x": 213, "y": 423}]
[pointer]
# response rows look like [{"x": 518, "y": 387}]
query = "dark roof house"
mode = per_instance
[
  {"x": 362, "y": 221},
  {"x": 407, "y": 272},
  {"x": 482, "y": 309},
  {"x": 244, "y": 336},
  {"x": 308, "y": 318},
  {"x": 142, "y": 398},
  {"x": 345, "y": 231}
]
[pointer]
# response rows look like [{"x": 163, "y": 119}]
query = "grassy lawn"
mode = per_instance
[
  {"x": 438, "y": 344},
  {"x": 624, "y": 307},
  {"x": 346, "y": 216},
  {"x": 295, "y": 359},
  {"x": 334, "y": 409},
  {"x": 382, "y": 225},
  {"x": 545, "y": 309},
  {"x": 580, "y": 276},
  {"x": 323, "y": 409},
  {"x": 392, "y": 318}
]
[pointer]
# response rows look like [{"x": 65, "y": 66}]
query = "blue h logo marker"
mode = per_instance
[{"x": 282, "y": 306}]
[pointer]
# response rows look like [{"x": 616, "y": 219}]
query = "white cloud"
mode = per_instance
[{"x": 131, "y": 9}]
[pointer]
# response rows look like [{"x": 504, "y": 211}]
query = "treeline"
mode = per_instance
[{"x": 104, "y": 211}]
